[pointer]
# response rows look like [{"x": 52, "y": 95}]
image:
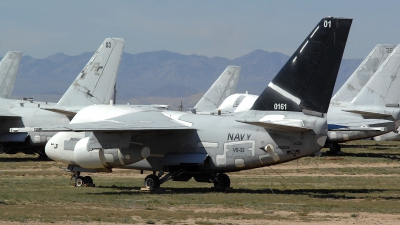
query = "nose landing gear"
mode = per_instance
[{"x": 80, "y": 181}]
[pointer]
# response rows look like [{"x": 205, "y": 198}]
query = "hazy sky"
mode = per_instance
[{"x": 212, "y": 28}]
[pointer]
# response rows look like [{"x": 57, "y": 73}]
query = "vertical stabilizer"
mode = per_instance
[
  {"x": 383, "y": 88},
  {"x": 95, "y": 83},
  {"x": 224, "y": 86},
  {"x": 306, "y": 81},
  {"x": 9, "y": 66},
  {"x": 362, "y": 74}
]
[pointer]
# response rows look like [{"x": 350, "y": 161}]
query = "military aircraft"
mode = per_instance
[
  {"x": 381, "y": 95},
  {"x": 94, "y": 85},
  {"x": 286, "y": 122},
  {"x": 347, "y": 117},
  {"x": 9, "y": 66}
]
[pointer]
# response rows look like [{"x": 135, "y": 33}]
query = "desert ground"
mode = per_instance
[{"x": 361, "y": 186}]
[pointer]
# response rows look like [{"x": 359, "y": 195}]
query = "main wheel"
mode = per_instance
[
  {"x": 152, "y": 181},
  {"x": 223, "y": 181},
  {"x": 335, "y": 148},
  {"x": 80, "y": 181},
  {"x": 89, "y": 180}
]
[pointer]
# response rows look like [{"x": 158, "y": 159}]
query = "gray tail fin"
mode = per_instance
[
  {"x": 306, "y": 81},
  {"x": 383, "y": 89},
  {"x": 361, "y": 75},
  {"x": 9, "y": 66},
  {"x": 224, "y": 86},
  {"x": 95, "y": 83}
]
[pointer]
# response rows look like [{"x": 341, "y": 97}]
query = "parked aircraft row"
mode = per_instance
[{"x": 293, "y": 117}]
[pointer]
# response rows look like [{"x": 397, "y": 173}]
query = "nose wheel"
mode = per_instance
[{"x": 81, "y": 181}]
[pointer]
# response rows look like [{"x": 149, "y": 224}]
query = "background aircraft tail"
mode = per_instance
[
  {"x": 9, "y": 66},
  {"x": 307, "y": 80},
  {"x": 224, "y": 86},
  {"x": 95, "y": 83},
  {"x": 383, "y": 89},
  {"x": 362, "y": 74}
]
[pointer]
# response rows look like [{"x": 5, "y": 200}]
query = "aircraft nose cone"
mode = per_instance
[
  {"x": 52, "y": 151},
  {"x": 55, "y": 148}
]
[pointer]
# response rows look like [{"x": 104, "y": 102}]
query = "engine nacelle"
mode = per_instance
[
  {"x": 87, "y": 157},
  {"x": 90, "y": 156}
]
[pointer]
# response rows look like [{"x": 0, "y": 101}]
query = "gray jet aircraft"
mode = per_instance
[
  {"x": 94, "y": 85},
  {"x": 378, "y": 100},
  {"x": 286, "y": 122},
  {"x": 9, "y": 66}
]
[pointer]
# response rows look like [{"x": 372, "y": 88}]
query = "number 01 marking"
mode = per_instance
[{"x": 327, "y": 23}]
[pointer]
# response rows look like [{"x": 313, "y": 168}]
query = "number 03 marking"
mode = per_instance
[{"x": 327, "y": 23}]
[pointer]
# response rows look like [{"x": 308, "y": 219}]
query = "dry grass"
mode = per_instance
[{"x": 364, "y": 181}]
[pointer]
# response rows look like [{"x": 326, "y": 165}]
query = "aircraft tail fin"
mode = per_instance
[
  {"x": 9, "y": 66},
  {"x": 383, "y": 89},
  {"x": 95, "y": 83},
  {"x": 362, "y": 74},
  {"x": 307, "y": 80},
  {"x": 224, "y": 86}
]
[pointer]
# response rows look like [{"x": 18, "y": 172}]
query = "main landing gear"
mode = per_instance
[
  {"x": 220, "y": 180},
  {"x": 80, "y": 181},
  {"x": 334, "y": 148}
]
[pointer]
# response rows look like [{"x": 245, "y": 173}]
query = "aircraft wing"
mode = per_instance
[
  {"x": 362, "y": 125},
  {"x": 130, "y": 122},
  {"x": 282, "y": 125},
  {"x": 72, "y": 111},
  {"x": 6, "y": 113}
]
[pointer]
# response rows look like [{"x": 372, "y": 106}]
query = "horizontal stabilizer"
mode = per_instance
[
  {"x": 369, "y": 113},
  {"x": 66, "y": 111},
  {"x": 362, "y": 125},
  {"x": 277, "y": 126},
  {"x": 359, "y": 129}
]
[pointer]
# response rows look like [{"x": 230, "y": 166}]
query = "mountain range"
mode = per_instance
[{"x": 159, "y": 77}]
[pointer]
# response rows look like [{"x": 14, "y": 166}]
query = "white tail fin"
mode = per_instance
[
  {"x": 361, "y": 75},
  {"x": 383, "y": 89},
  {"x": 9, "y": 66},
  {"x": 95, "y": 84},
  {"x": 224, "y": 86}
]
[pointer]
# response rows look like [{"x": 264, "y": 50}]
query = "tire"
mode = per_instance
[
  {"x": 152, "y": 181},
  {"x": 89, "y": 180},
  {"x": 80, "y": 181},
  {"x": 223, "y": 181}
]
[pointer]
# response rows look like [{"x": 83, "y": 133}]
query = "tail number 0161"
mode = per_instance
[{"x": 280, "y": 106}]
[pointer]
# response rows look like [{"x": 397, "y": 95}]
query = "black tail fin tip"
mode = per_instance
[{"x": 307, "y": 80}]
